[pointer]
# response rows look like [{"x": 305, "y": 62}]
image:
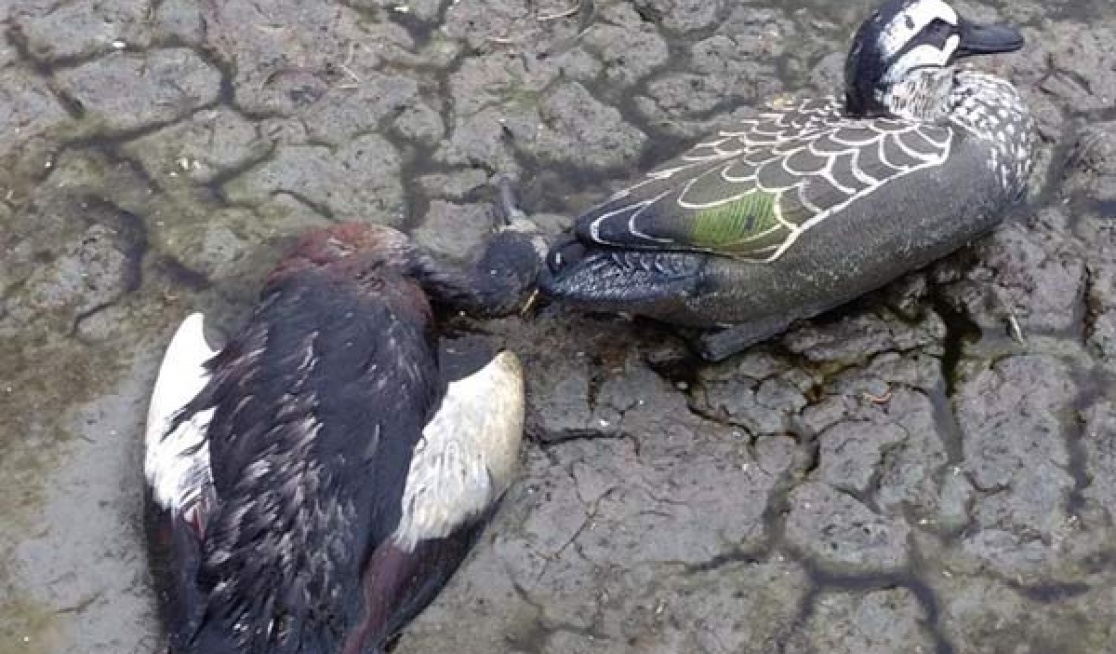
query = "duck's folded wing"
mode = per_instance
[
  {"x": 317, "y": 403},
  {"x": 176, "y": 461},
  {"x": 468, "y": 453},
  {"x": 460, "y": 469},
  {"x": 752, "y": 191}
]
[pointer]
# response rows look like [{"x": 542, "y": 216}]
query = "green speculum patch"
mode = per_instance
[{"x": 746, "y": 224}]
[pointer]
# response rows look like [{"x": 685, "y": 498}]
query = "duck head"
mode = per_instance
[
  {"x": 371, "y": 254},
  {"x": 901, "y": 60},
  {"x": 346, "y": 249}
]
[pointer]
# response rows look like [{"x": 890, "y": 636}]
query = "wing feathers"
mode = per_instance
[
  {"x": 791, "y": 168},
  {"x": 176, "y": 464},
  {"x": 468, "y": 453}
]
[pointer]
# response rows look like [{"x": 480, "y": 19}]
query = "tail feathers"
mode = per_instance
[
  {"x": 185, "y": 603},
  {"x": 399, "y": 583}
]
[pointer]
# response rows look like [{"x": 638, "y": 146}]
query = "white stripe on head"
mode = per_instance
[
  {"x": 923, "y": 56},
  {"x": 905, "y": 25}
]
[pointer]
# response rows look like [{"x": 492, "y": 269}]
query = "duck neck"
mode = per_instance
[
  {"x": 986, "y": 105},
  {"x": 496, "y": 286},
  {"x": 924, "y": 95}
]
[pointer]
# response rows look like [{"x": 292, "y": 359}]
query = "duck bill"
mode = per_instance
[{"x": 977, "y": 39}]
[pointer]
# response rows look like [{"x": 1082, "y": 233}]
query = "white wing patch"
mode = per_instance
[
  {"x": 176, "y": 465},
  {"x": 467, "y": 455}
]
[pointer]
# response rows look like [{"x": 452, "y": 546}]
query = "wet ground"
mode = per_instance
[{"x": 930, "y": 470}]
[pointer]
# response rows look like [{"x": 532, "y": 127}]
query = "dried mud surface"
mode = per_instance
[{"x": 928, "y": 470}]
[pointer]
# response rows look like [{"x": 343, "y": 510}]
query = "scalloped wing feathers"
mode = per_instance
[{"x": 751, "y": 192}]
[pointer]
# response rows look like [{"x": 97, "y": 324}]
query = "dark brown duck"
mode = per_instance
[{"x": 318, "y": 479}]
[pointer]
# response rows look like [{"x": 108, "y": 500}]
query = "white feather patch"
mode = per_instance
[
  {"x": 468, "y": 453},
  {"x": 923, "y": 56},
  {"x": 176, "y": 465},
  {"x": 912, "y": 20}
]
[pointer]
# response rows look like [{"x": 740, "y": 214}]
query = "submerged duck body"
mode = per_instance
[
  {"x": 318, "y": 478},
  {"x": 808, "y": 206}
]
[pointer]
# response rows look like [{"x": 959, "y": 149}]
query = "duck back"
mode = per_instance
[{"x": 317, "y": 406}]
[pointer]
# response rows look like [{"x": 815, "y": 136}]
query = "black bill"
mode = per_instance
[{"x": 979, "y": 39}]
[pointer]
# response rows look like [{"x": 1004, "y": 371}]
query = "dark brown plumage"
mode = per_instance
[{"x": 284, "y": 482}]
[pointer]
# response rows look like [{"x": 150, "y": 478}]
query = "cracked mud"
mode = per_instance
[{"x": 927, "y": 470}]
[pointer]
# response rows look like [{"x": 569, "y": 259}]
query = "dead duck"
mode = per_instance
[
  {"x": 318, "y": 480},
  {"x": 806, "y": 207}
]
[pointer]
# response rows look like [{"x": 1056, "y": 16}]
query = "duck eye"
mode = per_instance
[{"x": 938, "y": 27}]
